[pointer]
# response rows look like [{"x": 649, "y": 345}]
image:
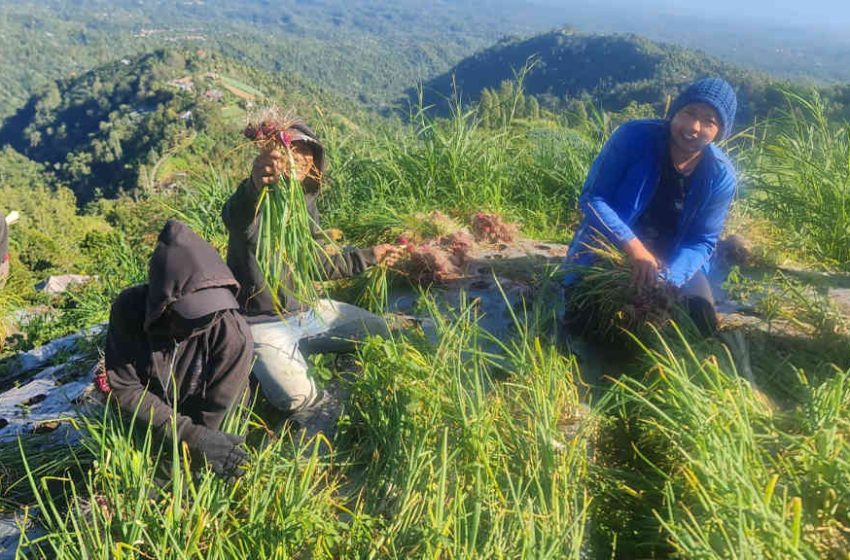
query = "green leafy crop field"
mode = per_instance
[{"x": 454, "y": 441}]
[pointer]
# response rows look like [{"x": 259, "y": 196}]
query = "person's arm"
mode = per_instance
[
  {"x": 701, "y": 238},
  {"x": 350, "y": 261},
  {"x": 604, "y": 179},
  {"x": 232, "y": 351},
  {"x": 240, "y": 210},
  {"x": 124, "y": 340}
]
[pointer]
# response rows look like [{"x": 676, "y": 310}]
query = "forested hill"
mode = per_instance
[
  {"x": 366, "y": 49},
  {"x": 111, "y": 128},
  {"x": 613, "y": 70}
]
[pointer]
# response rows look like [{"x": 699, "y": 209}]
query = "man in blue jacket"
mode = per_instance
[{"x": 660, "y": 190}]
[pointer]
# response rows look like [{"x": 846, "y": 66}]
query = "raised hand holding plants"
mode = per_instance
[
  {"x": 286, "y": 247},
  {"x": 268, "y": 168}
]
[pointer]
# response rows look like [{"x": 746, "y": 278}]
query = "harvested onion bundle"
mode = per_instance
[
  {"x": 491, "y": 228},
  {"x": 603, "y": 303},
  {"x": 288, "y": 254},
  {"x": 437, "y": 260}
]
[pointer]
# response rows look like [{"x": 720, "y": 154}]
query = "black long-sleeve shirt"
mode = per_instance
[
  {"x": 659, "y": 224},
  {"x": 242, "y": 221}
]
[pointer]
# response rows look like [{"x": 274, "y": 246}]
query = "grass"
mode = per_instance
[
  {"x": 534, "y": 178},
  {"x": 463, "y": 445},
  {"x": 425, "y": 466},
  {"x": 200, "y": 202},
  {"x": 732, "y": 476},
  {"x": 803, "y": 172}
]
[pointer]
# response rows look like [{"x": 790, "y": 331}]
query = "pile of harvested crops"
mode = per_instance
[
  {"x": 436, "y": 260},
  {"x": 440, "y": 254},
  {"x": 441, "y": 258},
  {"x": 491, "y": 228}
]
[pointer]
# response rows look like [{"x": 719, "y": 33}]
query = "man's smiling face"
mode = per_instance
[{"x": 694, "y": 127}]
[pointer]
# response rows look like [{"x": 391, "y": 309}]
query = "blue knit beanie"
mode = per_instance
[{"x": 715, "y": 92}]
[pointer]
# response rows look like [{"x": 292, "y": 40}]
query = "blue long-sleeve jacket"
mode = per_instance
[{"x": 621, "y": 184}]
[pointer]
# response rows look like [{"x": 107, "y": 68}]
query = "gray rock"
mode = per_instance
[
  {"x": 841, "y": 298},
  {"x": 59, "y": 284}
]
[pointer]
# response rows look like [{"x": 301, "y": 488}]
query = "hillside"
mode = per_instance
[
  {"x": 109, "y": 129},
  {"x": 613, "y": 70},
  {"x": 365, "y": 49},
  {"x": 457, "y": 440}
]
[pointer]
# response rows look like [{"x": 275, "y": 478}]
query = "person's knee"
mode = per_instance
[
  {"x": 698, "y": 287},
  {"x": 301, "y": 398},
  {"x": 288, "y": 391},
  {"x": 283, "y": 376},
  {"x": 345, "y": 320},
  {"x": 703, "y": 315}
]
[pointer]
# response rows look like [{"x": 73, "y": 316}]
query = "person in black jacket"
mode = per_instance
[
  {"x": 180, "y": 343},
  {"x": 281, "y": 344}
]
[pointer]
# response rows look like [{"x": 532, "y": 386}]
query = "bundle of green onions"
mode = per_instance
[
  {"x": 603, "y": 303},
  {"x": 288, "y": 254},
  {"x": 375, "y": 289}
]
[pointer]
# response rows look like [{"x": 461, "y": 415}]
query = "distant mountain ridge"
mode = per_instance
[
  {"x": 367, "y": 50},
  {"x": 614, "y": 70}
]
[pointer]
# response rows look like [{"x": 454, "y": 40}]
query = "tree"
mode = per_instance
[{"x": 489, "y": 108}]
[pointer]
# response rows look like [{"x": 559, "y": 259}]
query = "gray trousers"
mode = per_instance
[
  {"x": 281, "y": 348},
  {"x": 4, "y": 274}
]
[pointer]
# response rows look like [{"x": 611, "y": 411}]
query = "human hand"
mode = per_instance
[
  {"x": 267, "y": 169},
  {"x": 223, "y": 452},
  {"x": 644, "y": 264},
  {"x": 387, "y": 254}
]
